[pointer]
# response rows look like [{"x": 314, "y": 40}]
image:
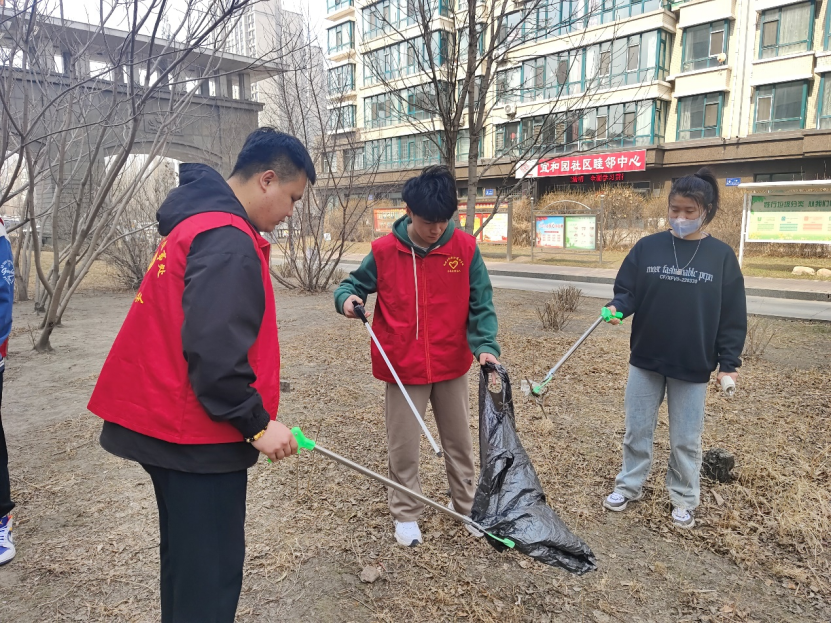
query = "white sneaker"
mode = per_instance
[
  {"x": 407, "y": 533},
  {"x": 473, "y": 531},
  {"x": 618, "y": 502},
  {"x": 7, "y": 550},
  {"x": 683, "y": 518}
]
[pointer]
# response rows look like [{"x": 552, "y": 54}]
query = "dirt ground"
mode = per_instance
[{"x": 86, "y": 522}]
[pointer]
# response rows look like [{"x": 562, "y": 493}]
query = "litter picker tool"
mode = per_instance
[
  {"x": 360, "y": 312},
  {"x": 304, "y": 443},
  {"x": 605, "y": 316}
]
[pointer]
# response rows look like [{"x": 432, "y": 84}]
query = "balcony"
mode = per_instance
[
  {"x": 788, "y": 68},
  {"x": 698, "y": 12},
  {"x": 337, "y": 9},
  {"x": 709, "y": 80},
  {"x": 823, "y": 62}
]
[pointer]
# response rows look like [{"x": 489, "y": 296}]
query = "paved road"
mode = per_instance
[{"x": 763, "y": 306}]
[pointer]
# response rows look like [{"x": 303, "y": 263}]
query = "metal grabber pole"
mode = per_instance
[
  {"x": 605, "y": 316},
  {"x": 304, "y": 443},
  {"x": 361, "y": 313}
]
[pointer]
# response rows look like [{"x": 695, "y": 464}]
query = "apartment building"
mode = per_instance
[
  {"x": 267, "y": 31},
  {"x": 743, "y": 86}
]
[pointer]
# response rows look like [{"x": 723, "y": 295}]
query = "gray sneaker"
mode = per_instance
[
  {"x": 617, "y": 501},
  {"x": 683, "y": 518}
]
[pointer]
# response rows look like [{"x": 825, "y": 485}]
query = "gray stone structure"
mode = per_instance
[{"x": 210, "y": 91}]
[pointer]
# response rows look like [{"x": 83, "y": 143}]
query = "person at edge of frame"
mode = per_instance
[
  {"x": 434, "y": 308},
  {"x": 686, "y": 291},
  {"x": 7, "y": 548},
  {"x": 190, "y": 389}
]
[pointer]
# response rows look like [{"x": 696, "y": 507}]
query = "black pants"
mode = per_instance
[
  {"x": 202, "y": 544},
  {"x": 6, "y": 504}
]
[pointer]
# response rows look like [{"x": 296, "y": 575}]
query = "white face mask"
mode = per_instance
[{"x": 684, "y": 227}]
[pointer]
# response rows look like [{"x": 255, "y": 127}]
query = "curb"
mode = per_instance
[
  {"x": 801, "y": 295},
  {"x": 798, "y": 295}
]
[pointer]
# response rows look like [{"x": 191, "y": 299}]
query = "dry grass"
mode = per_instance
[{"x": 87, "y": 529}]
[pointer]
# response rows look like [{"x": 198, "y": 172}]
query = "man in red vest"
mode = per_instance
[
  {"x": 434, "y": 308},
  {"x": 191, "y": 386}
]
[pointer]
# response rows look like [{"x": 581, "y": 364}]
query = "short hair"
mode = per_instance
[
  {"x": 266, "y": 149},
  {"x": 432, "y": 194},
  {"x": 702, "y": 188}
]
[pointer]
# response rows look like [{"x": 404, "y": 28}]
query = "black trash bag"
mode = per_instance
[{"x": 509, "y": 498}]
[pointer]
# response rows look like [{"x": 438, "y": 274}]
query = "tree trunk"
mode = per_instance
[
  {"x": 43, "y": 345},
  {"x": 22, "y": 266},
  {"x": 474, "y": 127}
]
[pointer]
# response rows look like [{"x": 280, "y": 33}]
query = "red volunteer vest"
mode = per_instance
[
  {"x": 422, "y": 310},
  {"x": 144, "y": 383}
]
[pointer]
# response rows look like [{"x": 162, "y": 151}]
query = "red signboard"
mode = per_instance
[
  {"x": 619, "y": 162},
  {"x": 597, "y": 178}
]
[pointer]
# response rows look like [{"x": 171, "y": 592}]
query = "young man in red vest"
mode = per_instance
[
  {"x": 434, "y": 308},
  {"x": 191, "y": 385}
]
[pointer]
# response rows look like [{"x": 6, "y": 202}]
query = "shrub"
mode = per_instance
[
  {"x": 759, "y": 335},
  {"x": 555, "y": 313}
]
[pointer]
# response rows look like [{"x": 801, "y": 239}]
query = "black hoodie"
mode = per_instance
[
  {"x": 223, "y": 304},
  {"x": 689, "y": 305}
]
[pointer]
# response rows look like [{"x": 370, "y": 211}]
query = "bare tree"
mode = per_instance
[
  {"x": 77, "y": 100},
  {"x": 312, "y": 106},
  {"x": 129, "y": 254}
]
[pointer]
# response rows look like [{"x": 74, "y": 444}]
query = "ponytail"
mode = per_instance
[{"x": 702, "y": 188}]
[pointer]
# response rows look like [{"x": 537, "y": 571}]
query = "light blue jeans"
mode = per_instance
[{"x": 644, "y": 394}]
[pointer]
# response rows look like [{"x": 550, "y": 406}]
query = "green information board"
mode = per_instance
[
  {"x": 789, "y": 218},
  {"x": 581, "y": 232}
]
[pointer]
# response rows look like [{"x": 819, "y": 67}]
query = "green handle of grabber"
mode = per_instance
[
  {"x": 303, "y": 442},
  {"x": 607, "y": 315}
]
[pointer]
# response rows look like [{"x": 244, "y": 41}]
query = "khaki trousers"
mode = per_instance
[{"x": 451, "y": 411}]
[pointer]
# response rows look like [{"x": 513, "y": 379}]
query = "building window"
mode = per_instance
[
  {"x": 824, "y": 108},
  {"x": 780, "y": 107},
  {"x": 353, "y": 159},
  {"x": 619, "y": 125},
  {"x": 700, "y": 116},
  {"x": 463, "y": 146},
  {"x": 777, "y": 177},
  {"x": 623, "y": 125},
  {"x": 388, "y": 16},
  {"x": 381, "y": 110},
  {"x": 341, "y": 79},
  {"x": 627, "y": 60},
  {"x": 786, "y": 30},
  {"x": 341, "y": 37},
  {"x": 337, "y": 5},
  {"x": 403, "y": 152},
  {"x": 827, "y": 44},
  {"x": 703, "y": 44},
  {"x": 329, "y": 162},
  {"x": 341, "y": 118},
  {"x": 391, "y": 62}
]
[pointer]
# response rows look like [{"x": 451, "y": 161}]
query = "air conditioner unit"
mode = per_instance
[{"x": 510, "y": 109}]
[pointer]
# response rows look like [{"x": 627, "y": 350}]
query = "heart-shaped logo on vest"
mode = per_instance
[{"x": 453, "y": 264}]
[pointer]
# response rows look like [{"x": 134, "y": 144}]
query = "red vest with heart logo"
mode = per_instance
[
  {"x": 144, "y": 383},
  {"x": 422, "y": 310}
]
